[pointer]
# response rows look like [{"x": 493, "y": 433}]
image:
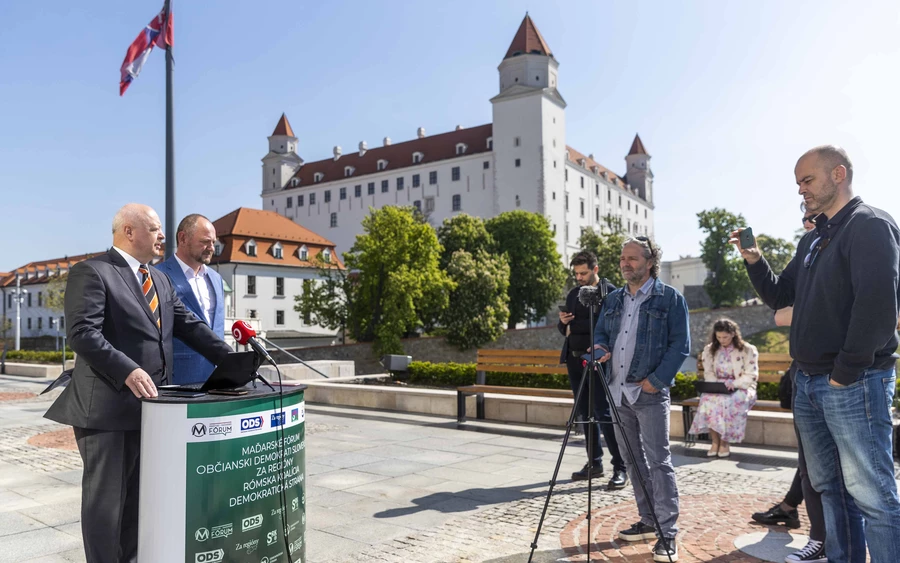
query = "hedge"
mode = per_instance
[
  {"x": 36, "y": 357},
  {"x": 455, "y": 375}
]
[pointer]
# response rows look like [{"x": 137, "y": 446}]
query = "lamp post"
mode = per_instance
[
  {"x": 60, "y": 334},
  {"x": 19, "y": 295}
]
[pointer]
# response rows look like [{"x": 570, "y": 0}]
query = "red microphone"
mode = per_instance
[{"x": 245, "y": 335}]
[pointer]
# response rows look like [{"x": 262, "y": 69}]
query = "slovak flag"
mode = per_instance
[{"x": 159, "y": 33}]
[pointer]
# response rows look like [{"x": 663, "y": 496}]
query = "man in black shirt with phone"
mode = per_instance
[
  {"x": 575, "y": 325},
  {"x": 843, "y": 285}
]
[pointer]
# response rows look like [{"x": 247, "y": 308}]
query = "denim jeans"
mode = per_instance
[
  {"x": 846, "y": 435},
  {"x": 645, "y": 426}
]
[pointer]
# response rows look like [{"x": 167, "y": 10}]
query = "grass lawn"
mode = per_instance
[{"x": 773, "y": 341}]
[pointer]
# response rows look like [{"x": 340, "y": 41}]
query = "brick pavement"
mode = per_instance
[{"x": 399, "y": 487}]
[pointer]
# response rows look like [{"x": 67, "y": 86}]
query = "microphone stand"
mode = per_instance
[{"x": 283, "y": 351}]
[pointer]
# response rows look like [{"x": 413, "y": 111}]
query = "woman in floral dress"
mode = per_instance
[{"x": 730, "y": 360}]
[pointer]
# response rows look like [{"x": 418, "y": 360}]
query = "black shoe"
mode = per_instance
[
  {"x": 582, "y": 474},
  {"x": 638, "y": 532},
  {"x": 619, "y": 480},
  {"x": 775, "y": 516},
  {"x": 665, "y": 550}
]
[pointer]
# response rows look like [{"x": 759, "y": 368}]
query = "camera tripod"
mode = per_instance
[{"x": 592, "y": 297}]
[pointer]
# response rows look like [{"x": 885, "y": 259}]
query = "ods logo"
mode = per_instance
[
  {"x": 251, "y": 522},
  {"x": 210, "y": 556},
  {"x": 252, "y": 423}
]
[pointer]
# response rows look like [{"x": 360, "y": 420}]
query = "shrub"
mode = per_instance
[
  {"x": 455, "y": 375},
  {"x": 36, "y": 357}
]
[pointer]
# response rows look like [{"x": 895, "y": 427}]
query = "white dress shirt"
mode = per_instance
[
  {"x": 133, "y": 263},
  {"x": 201, "y": 286}
]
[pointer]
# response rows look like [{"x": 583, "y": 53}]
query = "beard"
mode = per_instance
[
  {"x": 634, "y": 276},
  {"x": 819, "y": 203},
  {"x": 590, "y": 281},
  {"x": 204, "y": 257}
]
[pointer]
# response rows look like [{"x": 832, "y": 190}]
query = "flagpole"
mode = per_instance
[{"x": 170, "y": 147}]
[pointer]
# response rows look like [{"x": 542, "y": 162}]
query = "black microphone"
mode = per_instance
[{"x": 244, "y": 334}]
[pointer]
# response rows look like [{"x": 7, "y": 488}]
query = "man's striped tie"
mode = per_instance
[{"x": 149, "y": 292}]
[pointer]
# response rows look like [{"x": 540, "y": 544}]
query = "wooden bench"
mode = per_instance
[
  {"x": 518, "y": 361},
  {"x": 771, "y": 368}
]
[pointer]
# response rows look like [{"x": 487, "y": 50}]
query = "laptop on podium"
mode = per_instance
[{"x": 236, "y": 370}]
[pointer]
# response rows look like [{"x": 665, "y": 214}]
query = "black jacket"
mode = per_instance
[
  {"x": 846, "y": 301},
  {"x": 580, "y": 337},
  {"x": 112, "y": 332}
]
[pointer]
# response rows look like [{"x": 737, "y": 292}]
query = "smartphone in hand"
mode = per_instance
[
  {"x": 563, "y": 309},
  {"x": 746, "y": 238}
]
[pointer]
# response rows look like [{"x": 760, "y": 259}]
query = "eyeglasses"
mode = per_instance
[{"x": 811, "y": 219}]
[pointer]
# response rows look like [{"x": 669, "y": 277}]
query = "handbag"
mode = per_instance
[{"x": 786, "y": 388}]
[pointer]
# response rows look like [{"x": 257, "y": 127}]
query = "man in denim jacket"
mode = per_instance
[{"x": 644, "y": 335}]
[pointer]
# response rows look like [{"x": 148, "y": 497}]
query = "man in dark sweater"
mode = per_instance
[
  {"x": 575, "y": 325},
  {"x": 844, "y": 285}
]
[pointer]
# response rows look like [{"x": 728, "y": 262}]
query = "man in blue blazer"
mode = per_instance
[{"x": 199, "y": 288}]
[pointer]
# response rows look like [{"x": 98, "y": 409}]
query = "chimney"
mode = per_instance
[
  {"x": 420, "y": 132},
  {"x": 337, "y": 152},
  {"x": 459, "y": 127},
  {"x": 363, "y": 147},
  {"x": 387, "y": 141},
  {"x": 591, "y": 156}
]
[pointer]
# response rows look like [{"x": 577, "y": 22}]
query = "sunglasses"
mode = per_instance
[
  {"x": 811, "y": 219},
  {"x": 817, "y": 246},
  {"x": 648, "y": 241}
]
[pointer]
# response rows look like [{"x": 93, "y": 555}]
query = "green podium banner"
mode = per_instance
[{"x": 240, "y": 467}]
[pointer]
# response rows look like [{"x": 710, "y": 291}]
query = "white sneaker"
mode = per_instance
[{"x": 814, "y": 552}]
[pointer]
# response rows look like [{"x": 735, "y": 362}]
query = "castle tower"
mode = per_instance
[
  {"x": 282, "y": 160},
  {"x": 638, "y": 172}
]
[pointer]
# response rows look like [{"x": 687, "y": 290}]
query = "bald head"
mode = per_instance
[
  {"x": 830, "y": 157},
  {"x": 196, "y": 241},
  {"x": 137, "y": 230}
]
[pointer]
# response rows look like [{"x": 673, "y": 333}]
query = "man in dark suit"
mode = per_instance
[
  {"x": 575, "y": 325},
  {"x": 121, "y": 316},
  {"x": 199, "y": 288}
]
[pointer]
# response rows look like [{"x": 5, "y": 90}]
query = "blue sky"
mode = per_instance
[{"x": 725, "y": 95}]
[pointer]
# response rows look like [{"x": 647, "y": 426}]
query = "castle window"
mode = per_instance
[
  {"x": 399, "y": 183},
  {"x": 250, "y": 247},
  {"x": 327, "y": 196},
  {"x": 343, "y": 193},
  {"x": 370, "y": 188},
  {"x": 303, "y": 253},
  {"x": 582, "y": 208},
  {"x": 487, "y": 164},
  {"x": 312, "y": 199},
  {"x": 219, "y": 247},
  {"x": 518, "y": 162},
  {"x": 382, "y": 164},
  {"x": 357, "y": 190},
  {"x": 277, "y": 251},
  {"x": 295, "y": 182},
  {"x": 251, "y": 285},
  {"x": 333, "y": 220},
  {"x": 279, "y": 317},
  {"x": 326, "y": 256},
  {"x": 461, "y": 148},
  {"x": 432, "y": 177},
  {"x": 290, "y": 202},
  {"x": 457, "y": 202},
  {"x": 416, "y": 180},
  {"x": 417, "y": 157},
  {"x": 454, "y": 173},
  {"x": 418, "y": 205},
  {"x": 348, "y": 171},
  {"x": 300, "y": 200},
  {"x": 429, "y": 204},
  {"x": 490, "y": 143},
  {"x": 582, "y": 182},
  {"x": 384, "y": 186},
  {"x": 317, "y": 177}
]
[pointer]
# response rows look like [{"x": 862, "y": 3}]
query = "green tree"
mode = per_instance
[
  {"x": 608, "y": 248},
  {"x": 537, "y": 277},
  {"x": 463, "y": 232},
  {"x": 328, "y": 300},
  {"x": 400, "y": 284},
  {"x": 777, "y": 251},
  {"x": 56, "y": 293},
  {"x": 727, "y": 282},
  {"x": 479, "y": 303}
]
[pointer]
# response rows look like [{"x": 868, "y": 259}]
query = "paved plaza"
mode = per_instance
[{"x": 386, "y": 486}]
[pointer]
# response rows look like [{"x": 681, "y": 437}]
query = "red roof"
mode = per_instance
[
  {"x": 267, "y": 228},
  {"x": 575, "y": 156},
  {"x": 400, "y": 155},
  {"x": 528, "y": 41},
  {"x": 637, "y": 147},
  {"x": 38, "y": 271},
  {"x": 283, "y": 127}
]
